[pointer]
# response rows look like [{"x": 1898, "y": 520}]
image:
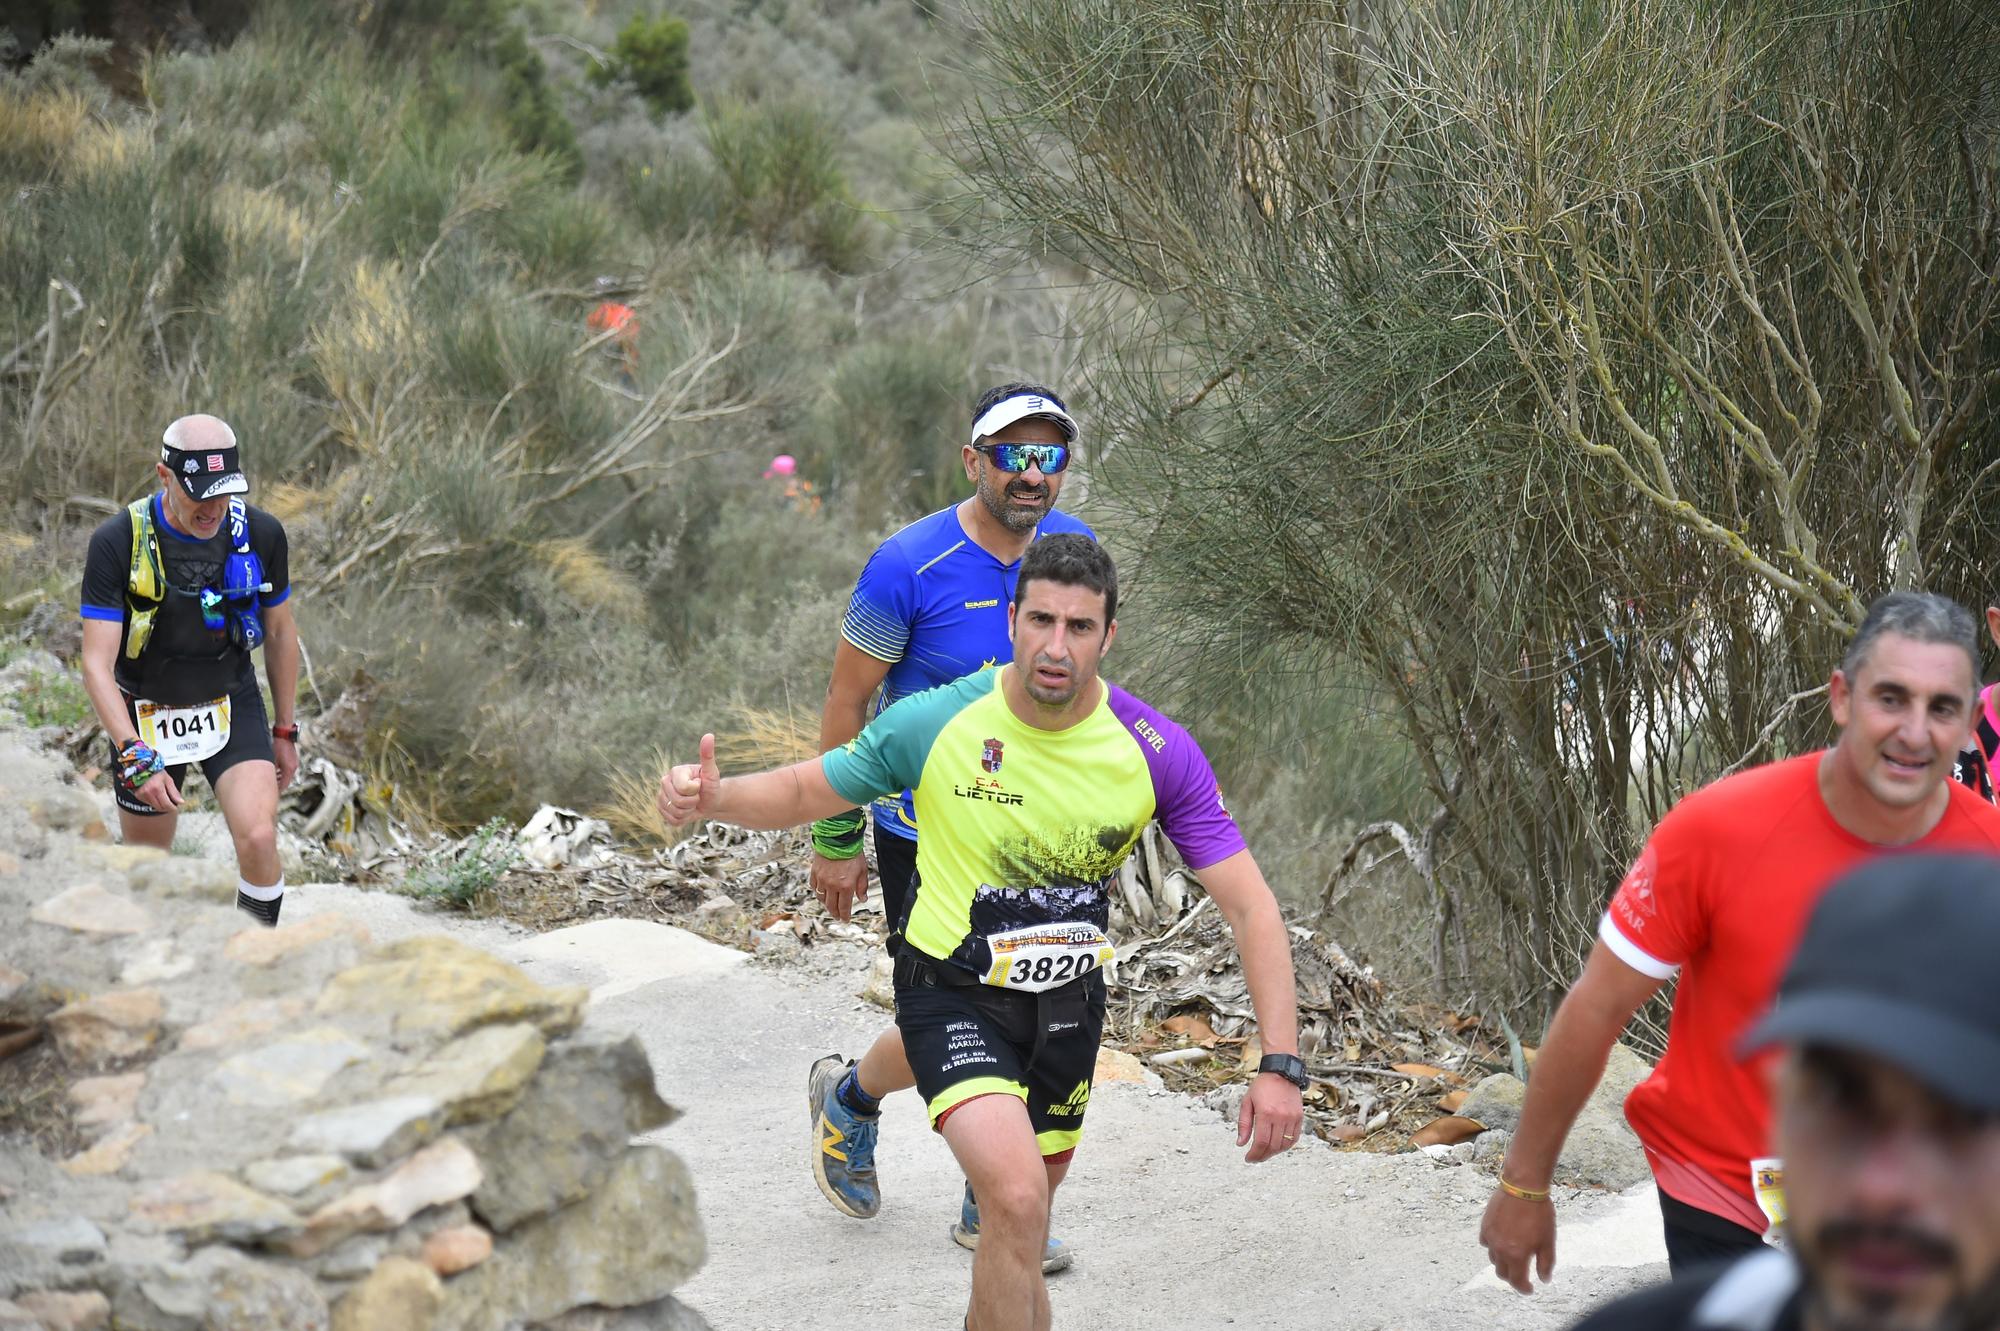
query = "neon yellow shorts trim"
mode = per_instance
[
  {"x": 1055, "y": 1143},
  {"x": 959, "y": 1092}
]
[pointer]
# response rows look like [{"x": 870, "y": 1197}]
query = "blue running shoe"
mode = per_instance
[
  {"x": 843, "y": 1143},
  {"x": 1056, "y": 1257}
]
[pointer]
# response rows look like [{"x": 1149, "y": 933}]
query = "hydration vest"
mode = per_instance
[{"x": 146, "y": 583}]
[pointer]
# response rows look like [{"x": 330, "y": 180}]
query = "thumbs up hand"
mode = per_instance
[{"x": 691, "y": 790}]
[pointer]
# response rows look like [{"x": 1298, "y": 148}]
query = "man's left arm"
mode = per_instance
[
  {"x": 281, "y": 667},
  {"x": 1272, "y": 1111}
]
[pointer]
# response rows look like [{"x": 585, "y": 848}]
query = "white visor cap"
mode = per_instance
[{"x": 1021, "y": 407}]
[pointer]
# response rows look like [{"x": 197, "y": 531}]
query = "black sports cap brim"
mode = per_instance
[
  {"x": 206, "y": 473},
  {"x": 1959, "y": 1061},
  {"x": 234, "y": 483}
]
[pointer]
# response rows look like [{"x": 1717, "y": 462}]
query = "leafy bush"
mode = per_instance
[
  {"x": 51, "y": 700},
  {"x": 356, "y": 232},
  {"x": 778, "y": 165},
  {"x": 652, "y": 55},
  {"x": 535, "y": 117},
  {"x": 891, "y": 417},
  {"x": 460, "y": 875},
  {"x": 397, "y": 23}
]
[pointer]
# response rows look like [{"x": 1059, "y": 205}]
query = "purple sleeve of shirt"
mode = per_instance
[{"x": 1185, "y": 791}]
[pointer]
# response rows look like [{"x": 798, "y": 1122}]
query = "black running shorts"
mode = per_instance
[
  {"x": 249, "y": 741},
  {"x": 969, "y": 1039},
  {"x": 896, "y": 875}
]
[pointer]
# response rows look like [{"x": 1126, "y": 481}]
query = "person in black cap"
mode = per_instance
[
  {"x": 178, "y": 589},
  {"x": 1887, "y": 1116}
]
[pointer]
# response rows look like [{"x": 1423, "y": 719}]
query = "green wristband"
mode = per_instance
[{"x": 839, "y": 837}]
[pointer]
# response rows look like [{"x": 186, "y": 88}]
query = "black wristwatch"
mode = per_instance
[
  {"x": 1289, "y": 1066},
  {"x": 290, "y": 732}
]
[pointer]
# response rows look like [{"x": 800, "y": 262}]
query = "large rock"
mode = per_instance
[
  {"x": 632, "y": 1241},
  {"x": 110, "y": 1153},
  {"x": 353, "y": 1258},
  {"x": 179, "y": 876},
  {"x": 287, "y": 1072},
  {"x": 435, "y": 988},
  {"x": 442, "y": 1172},
  {"x": 457, "y": 1248},
  {"x": 668, "y": 1314},
  {"x": 1601, "y": 1150},
  {"x": 1623, "y": 1071},
  {"x": 204, "y": 1206},
  {"x": 67, "y": 809},
  {"x": 104, "y": 1101},
  {"x": 154, "y": 961},
  {"x": 398, "y": 1295},
  {"x": 242, "y": 1021},
  {"x": 310, "y": 1181},
  {"x": 223, "y": 1289},
  {"x": 108, "y": 1027},
  {"x": 88, "y": 908},
  {"x": 374, "y": 1133},
  {"x": 62, "y": 1240},
  {"x": 593, "y": 1095},
  {"x": 480, "y": 1075},
  {"x": 55, "y": 1310},
  {"x": 1496, "y": 1101},
  {"x": 120, "y": 859},
  {"x": 259, "y": 946}
]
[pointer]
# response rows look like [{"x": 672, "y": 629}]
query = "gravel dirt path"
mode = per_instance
[{"x": 1174, "y": 1231}]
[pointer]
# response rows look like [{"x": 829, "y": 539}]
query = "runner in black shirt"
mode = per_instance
[{"x": 177, "y": 592}]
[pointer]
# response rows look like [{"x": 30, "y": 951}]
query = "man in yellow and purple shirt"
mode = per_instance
[{"x": 1032, "y": 782}]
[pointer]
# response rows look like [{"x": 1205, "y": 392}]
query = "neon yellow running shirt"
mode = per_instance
[{"x": 1026, "y": 827}]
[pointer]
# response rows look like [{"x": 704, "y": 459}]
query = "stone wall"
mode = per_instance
[{"x": 297, "y": 1128}]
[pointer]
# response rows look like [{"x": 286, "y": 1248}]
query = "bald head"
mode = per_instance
[{"x": 199, "y": 433}]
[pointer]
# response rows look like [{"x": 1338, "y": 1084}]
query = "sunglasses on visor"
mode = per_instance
[{"x": 1051, "y": 458}]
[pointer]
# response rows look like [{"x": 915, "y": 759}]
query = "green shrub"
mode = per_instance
[
  {"x": 673, "y": 198},
  {"x": 398, "y": 23},
  {"x": 778, "y": 165},
  {"x": 652, "y": 55},
  {"x": 534, "y": 115},
  {"x": 459, "y": 875},
  {"x": 892, "y": 420},
  {"x": 557, "y": 237},
  {"x": 52, "y": 700}
]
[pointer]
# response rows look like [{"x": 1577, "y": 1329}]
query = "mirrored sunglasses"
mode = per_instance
[{"x": 1050, "y": 458}]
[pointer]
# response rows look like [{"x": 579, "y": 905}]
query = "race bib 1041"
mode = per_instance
[
  {"x": 1044, "y": 956},
  {"x": 184, "y": 734}
]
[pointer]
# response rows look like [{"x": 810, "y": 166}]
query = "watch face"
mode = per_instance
[{"x": 1288, "y": 1066}]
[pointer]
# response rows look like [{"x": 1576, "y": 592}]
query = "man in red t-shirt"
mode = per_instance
[{"x": 1720, "y": 894}]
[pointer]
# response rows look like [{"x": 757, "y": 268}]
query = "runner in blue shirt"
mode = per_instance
[{"x": 929, "y": 608}]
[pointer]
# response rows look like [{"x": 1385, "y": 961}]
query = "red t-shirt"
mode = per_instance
[{"x": 1721, "y": 892}]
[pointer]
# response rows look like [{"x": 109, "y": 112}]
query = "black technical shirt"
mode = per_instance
[{"x": 184, "y": 662}]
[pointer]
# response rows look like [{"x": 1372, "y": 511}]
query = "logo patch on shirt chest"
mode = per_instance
[{"x": 989, "y": 790}]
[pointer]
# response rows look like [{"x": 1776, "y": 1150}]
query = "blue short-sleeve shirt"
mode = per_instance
[{"x": 932, "y": 602}]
